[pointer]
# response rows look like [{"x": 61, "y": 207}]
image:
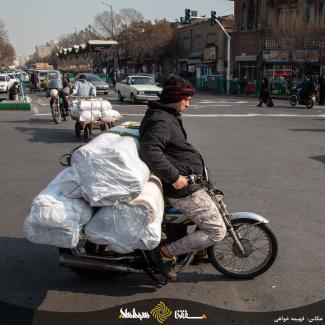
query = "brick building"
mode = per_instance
[
  {"x": 260, "y": 51},
  {"x": 202, "y": 47}
]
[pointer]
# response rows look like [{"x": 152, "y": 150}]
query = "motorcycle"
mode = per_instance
[
  {"x": 58, "y": 110},
  {"x": 248, "y": 249},
  {"x": 296, "y": 99}
]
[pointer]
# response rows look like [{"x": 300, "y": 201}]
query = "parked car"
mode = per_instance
[
  {"x": 138, "y": 88},
  {"x": 5, "y": 83},
  {"x": 12, "y": 77},
  {"x": 101, "y": 86}
]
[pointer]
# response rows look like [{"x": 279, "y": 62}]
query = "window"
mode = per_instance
[
  {"x": 198, "y": 41},
  {"x": 211, "y": 38},
  {"x": 186, "y": 43},
  {"x": 251, "y": 15},
  {"x": 270, "y": 44},
  {"x": 243, "y": 17}
]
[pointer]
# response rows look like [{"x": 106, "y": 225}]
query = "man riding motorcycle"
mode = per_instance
[
  {"x": 307, "y": 88},
  {"x": 164, "y": 148},
  {"x": 57, "y": 84}
]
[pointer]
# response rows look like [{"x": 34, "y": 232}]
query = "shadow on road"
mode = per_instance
[
  {"x": 49, "y": 135},
  {"x": 307, "y": 130},
  {"x": 319, "y": 158},
  {"x": 28, "y": 272}
]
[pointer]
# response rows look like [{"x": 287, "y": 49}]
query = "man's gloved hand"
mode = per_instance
[{"x": 180, "y": 183}]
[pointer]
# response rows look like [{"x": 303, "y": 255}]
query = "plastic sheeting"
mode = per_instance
[
  {"x": 55, "y": 219},
  {"x": 69, "y": 184},
  {"x": 109, "y": 168},
  {"x": 136, "y": 225},
  {"x": 95, "y": 115}
]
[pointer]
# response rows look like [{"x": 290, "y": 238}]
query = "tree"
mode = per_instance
[
  {"x": 111, "y": 24},
  {"x": 7, "y": 51},
  {"x": 79, "y": 37},
  {"x": 300, "y": 37},
  {"x": 145, "y": 41}
]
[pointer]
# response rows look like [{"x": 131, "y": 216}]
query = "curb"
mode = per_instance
[{"x": 15, "y": 106}]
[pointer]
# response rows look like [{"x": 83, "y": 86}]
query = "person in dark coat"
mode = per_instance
[
  {"x": 322, "y": 89},
  {"x": 14, "y": 91},
  {"x": 265, "y": 94},
  {"x": 168, "y": 154}
]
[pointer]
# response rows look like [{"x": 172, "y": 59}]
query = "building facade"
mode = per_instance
[
  {"x": 202, "y": 48},
  {"x": 43, "y": 51},
  {"x": 262, "y": 49}
]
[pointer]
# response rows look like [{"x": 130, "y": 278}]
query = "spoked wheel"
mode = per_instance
[
  {"x": 87, "y": 131},
  {"x": 293, "y": 101},
  {"x": 260, "y": 247},
  {"x": 77, "y": 128},
  {"x": 55, "y": 110}
]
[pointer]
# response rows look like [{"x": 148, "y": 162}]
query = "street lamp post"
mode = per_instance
[
  {"x": 228, "y": 55},
  {"x": 108, "y": 5}
]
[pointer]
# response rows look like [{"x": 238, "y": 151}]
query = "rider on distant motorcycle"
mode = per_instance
[
  {"x": 164, "y": 148},
  {"x": 57, "y": 84},
  {"x": 307, "y": 88}
]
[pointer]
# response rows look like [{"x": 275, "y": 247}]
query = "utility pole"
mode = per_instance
[
  {"x": 214, "y": 20},
  {"x": 110, "y": 6}
]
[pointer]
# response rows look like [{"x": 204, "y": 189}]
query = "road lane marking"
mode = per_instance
[
  {"x": 42, "y": 114},
  {"x": 239, "y": 115}
]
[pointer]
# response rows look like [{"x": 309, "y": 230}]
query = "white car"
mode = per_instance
[
  {"x": 138, "y": 88},
  {"x": 12, "y": 77},
  {"x": 5, "y": 83}
]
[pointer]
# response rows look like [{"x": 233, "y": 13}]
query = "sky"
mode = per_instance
[{"x": 35, "y": 22}]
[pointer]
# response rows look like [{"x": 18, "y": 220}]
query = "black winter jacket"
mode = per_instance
[{"x": 164, "y": 148}]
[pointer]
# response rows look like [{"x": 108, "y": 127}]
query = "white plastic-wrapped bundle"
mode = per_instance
[
  {"x": 94, "y": 104},
  {"x": 94, "y": 115},
  {"x": 89, "y": 116},
  {"x": 109, "y": 168},
  {"x": 55, "y": 219},
  {"x": 125, "y": 131},
  {"x": 110, "y": 114},
  {"x": 136, "y": 225}
]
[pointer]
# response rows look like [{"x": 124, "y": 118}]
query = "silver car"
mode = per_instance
[{"x": 101, "y": 86}]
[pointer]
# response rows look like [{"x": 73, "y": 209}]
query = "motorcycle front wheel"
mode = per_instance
[
  {"x": 293, "y": 101},
  {"x": 260, "y": 246}
]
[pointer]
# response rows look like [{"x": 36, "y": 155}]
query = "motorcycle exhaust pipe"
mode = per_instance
[{"x": 89, "y": 264}]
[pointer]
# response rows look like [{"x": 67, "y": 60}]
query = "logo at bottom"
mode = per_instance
[{"x": 161, "y": 312}]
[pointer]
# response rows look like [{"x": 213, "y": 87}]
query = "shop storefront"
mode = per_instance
[{"x": 247, "y": 66}]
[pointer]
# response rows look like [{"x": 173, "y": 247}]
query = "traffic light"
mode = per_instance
[
  {"x": 187, "y": 19},
  {"x": 213, "y": 17}
]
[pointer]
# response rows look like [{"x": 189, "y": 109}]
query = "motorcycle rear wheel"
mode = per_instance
[{"x": 259, "y": 243}]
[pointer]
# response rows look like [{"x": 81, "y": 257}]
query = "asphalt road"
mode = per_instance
[{"x": 270, "y": 161}]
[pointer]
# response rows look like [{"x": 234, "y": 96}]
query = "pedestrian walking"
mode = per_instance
[
  {"x": 322, "y": 89},
  {"x": 265, "y": 94}
]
